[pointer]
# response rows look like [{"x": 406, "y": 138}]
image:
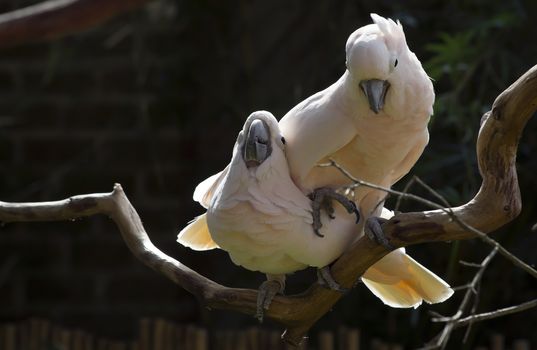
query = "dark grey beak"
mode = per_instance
[
  {"x": 375, "y": 91},
  {"x": 257, "y": 144}
]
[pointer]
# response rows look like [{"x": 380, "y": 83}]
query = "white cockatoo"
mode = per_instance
[
  {"x": 259, "y": 216},
  {"x": 372, "y": 121}
]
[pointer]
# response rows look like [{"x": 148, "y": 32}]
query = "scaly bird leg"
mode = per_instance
[
  {"x": 321, "y": 198},
  {"x": 373, "y": 230},
  {"x": 267, "y": 291},
  {"x": 326, "y": 280}
]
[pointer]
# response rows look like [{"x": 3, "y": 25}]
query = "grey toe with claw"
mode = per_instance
[
  {"x": 267, "y": 292},
  {"x": 322, "y": 200},
  {"x": 373, "y": 230},
  {"x": 326, "y": 280}
]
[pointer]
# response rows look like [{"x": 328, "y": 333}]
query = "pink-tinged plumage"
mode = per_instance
[
  {"x": 263, "y": 220},
  {"x": 262, "y": 217},
  {"x": 337, "y": 123}
]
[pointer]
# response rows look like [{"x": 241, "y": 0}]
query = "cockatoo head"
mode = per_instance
[
  {"x": 383, "y": 70},
  {"x": 260, "y": 142}
]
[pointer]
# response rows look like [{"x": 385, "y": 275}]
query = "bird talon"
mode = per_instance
[
  {"x": 267, "y": 292},
  {"x": 325, "y": 279},
  {"x": 373, "y": 230},
  {"x": 322, "y": 199}
]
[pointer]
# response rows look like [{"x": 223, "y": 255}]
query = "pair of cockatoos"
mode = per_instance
[{"x": 264, "y": 207}]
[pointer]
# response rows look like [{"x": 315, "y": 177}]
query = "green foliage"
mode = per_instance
[
  {"x": 478, "y": 52},
  {"x": 469, "y": 67}
]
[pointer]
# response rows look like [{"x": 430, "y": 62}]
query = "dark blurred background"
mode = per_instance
[{"x": 154, "y": 100}]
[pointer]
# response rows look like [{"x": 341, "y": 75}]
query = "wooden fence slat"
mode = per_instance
[
  {"x": 34, "y": 343},
  {"x": 135, "y": 345},
  {"x": 24, "y": 334},
  {"x": 89, "y": 342},
  {"x": 189, "y": 339},
  {"x": 102, "y": 344},
  {"x": 145, "y": 334},
  {"x": 252, "y": 336},
  {"x": 10, "y": 337},
  {"x": 117, "y": 345},
  {"x": 202, "y": 339},
  {"x": 342, "y": 338},
  {"x": 179, "y": 335},
  {"x": 158, "y": 334},
  {"x": 55, "y": 337},
  {"x": 169, "y": 338},
  {"x": 65, "y": 339},
  {"x": 377, "y": 344},
  {"x": 161, "y": 334},
  {"x": 275, "y": 340},
  {"x": 497, "y": 342},
  {"x": 521, "y": 344},
  {"x": 45, "y": 333},
  {"x": 238, "y": 339},
  {"x": 78, "y": 340},
  {"x": 232, "y": 340},
  {"x": 263, "y": 339},
  {"x": 217, "y": 340},
  {"x": 326, "y": 340},
  {"x": 353, "y": 339}
]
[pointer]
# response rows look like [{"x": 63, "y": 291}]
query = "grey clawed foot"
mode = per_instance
[
  {"x": 267, "y": 292},
  {"x": 373, "y": 230},
  {"x": 322, "y": 199},
  {"x": 325, "y": 279}
]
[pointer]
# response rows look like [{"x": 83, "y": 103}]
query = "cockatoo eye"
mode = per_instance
[
  {"x": 395, "y": 63},
  {"x": 283, "y": 140}
]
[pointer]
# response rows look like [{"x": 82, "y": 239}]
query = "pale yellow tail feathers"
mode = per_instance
[
  {"x": 432, "y": 288},
  {"x": 400, "y": 281},
  {"x": 196, "y": 235},
  {"x": 399, "y": 295}
]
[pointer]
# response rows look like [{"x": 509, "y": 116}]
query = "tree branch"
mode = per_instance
[
  {"x": 496, "y": 313},
  {"x": 55, "y": 18},
  {"x": 496, "y": 203},
  {"x": 456, "y": 321},
  {"x": 446, "y": 208},
  {"x": 442, "y": 339}
]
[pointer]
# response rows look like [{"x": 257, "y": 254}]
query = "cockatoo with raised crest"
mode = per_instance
[
  {"x": 372, "y": 121},
  {"x": 259, "y": 216}
]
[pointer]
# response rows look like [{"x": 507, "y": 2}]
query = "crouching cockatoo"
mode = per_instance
[
  {"x": 372, "y": 121},
  {"x": 259, "y": 216}
]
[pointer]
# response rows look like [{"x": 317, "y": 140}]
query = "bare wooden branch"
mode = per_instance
[
  {"x": 457, "y": 320},
  {"x": 496, "y": 203},
  {"x": 441, "y": 340},
  {"x": 117, "y": 206},
  {"x": 55, "y": 18},
  {"x": 496, "y": 313},
  {"x": 446, "y": 208}
]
